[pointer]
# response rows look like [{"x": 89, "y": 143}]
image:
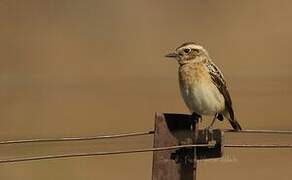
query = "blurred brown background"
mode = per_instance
[{"x": 80, "y": 68}]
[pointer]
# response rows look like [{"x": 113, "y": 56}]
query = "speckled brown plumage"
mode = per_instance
[{"x": 202, "y": 84}]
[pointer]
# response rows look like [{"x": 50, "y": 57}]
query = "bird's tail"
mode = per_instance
[{"x": 234, "y": 123}]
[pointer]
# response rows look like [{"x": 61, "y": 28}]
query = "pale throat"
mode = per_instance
[{"x": 198, "y": 59}]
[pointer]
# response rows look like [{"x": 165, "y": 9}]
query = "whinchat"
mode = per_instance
[{"x": 202, "y": 84}]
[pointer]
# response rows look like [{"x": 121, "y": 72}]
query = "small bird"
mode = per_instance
[{"x": 202, "y": 84}]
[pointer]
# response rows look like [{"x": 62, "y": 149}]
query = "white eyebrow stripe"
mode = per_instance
[{"x": 191, "y": 46}]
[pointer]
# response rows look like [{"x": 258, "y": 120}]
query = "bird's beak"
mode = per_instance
[{"x": 171, "y": 55}]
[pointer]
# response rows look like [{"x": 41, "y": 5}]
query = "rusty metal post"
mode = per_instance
[
  {"x": 182, "y": 129},
  {"x": 171, "y": 130}
]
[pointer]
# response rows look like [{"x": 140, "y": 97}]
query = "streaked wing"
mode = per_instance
[{"x": 220, "y": 83}]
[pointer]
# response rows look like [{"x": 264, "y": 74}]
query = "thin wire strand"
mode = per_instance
[
  {"x": 267, "y": 131},
  {"x": 38, "y": 140},
  {"x": 141, "y": 151},
  {"x": 102, "y": 153},
  {"x": 258, "y": 145},
  {"x": 132, "y": 134}
]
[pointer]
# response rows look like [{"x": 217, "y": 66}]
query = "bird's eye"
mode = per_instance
[{"x": 187, "y": 50}]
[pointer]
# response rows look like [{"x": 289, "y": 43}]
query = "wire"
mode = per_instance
[
  {"x": 141, "y": 151},
  {"x": 259, "y": 131},
  {"x": 121, "y": 136},
  {"x": 132, "y": 134},
  {"x": 76, "y": 138},
  {"x": 102, "y": 153},
  {"x": 258, "y": 145}
]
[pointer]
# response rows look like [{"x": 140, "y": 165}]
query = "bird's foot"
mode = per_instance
[
  {"x": 209, "y": 134},
  {"x": 220, "y": 117}
]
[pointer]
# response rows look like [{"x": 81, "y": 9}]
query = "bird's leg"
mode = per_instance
[
  {"x": 197, "y": 117},
  {"x": 213, "y": 121},
  {"x": 200, "y": 119},
  {"x": 210, "y": 128}
]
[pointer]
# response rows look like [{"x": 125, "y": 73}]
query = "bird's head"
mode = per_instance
[{"x": 189, "y": 52}]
